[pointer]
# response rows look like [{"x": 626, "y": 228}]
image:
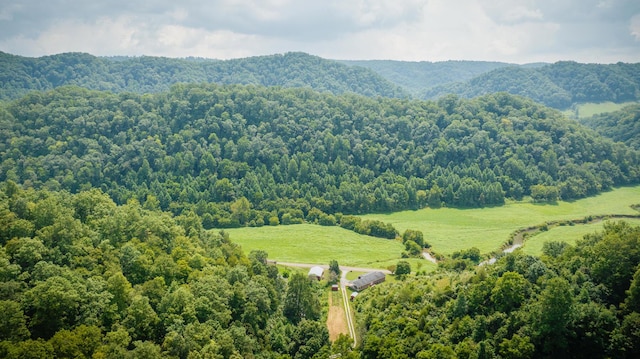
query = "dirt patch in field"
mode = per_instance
[{"x": 336, "y": 319}]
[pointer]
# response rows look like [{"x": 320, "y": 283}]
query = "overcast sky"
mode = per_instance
[{"x": 519, "y": 31}]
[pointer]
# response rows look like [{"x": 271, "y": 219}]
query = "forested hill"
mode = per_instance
[
  {"x": 621, "y": 126},
  {"x": 418, "y": 77},
  {"x": 558, "y": 85},
  {"x": 240, "y": 155},
  {"x": 146, "y": 74}
]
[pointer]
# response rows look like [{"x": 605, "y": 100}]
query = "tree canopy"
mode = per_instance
[{"x": 124, "y": 281}]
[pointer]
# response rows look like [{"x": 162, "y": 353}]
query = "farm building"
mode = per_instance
[
  {"x": 316, "y": 273},
  {"x": 353, "y": 296},
  {"x": 367, "y": 280}
]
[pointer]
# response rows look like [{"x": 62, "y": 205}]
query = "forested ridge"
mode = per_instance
[
  {"x": 558, "y": 85},
  {"x": 148, "y": 74},
  {"x": 247, "y": 155}
]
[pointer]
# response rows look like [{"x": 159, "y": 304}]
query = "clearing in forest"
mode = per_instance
[
  {"x": 446, "y": 229},
  {"x": 569, "y": 234},
  {"x": 453, "y": 229}
]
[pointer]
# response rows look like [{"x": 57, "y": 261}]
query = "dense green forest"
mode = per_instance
[
  {"x": 81, "y": 277},
  {"x": 247, "y": 155},
  {"x": 418, "y": 77},
  {"x": 148, "y": 74},
  {"x": 621, "y": 126},
  {"x": 558, "y": 85},
  {"x": 572, "y": 302}
]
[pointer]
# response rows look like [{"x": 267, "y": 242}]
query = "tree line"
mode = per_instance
[{"x": 246, "y": 155}]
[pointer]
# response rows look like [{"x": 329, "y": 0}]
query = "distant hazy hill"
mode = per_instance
[
  {"x": 557, "y": 85},
  {"x": 20, "y": 75},
  {"x": 418, "y": 77}
]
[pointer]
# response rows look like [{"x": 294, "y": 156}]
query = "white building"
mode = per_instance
[{"x": 316, "y": 273}]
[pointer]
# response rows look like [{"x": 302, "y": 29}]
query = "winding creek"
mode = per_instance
[{"x": 519, "y": 236}]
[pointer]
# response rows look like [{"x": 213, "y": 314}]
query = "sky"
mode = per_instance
[{"x": 516, "y": 31}]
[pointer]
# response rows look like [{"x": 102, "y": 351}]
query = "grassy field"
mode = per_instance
[
  {"x": 569, "y": 234},
  {"x": 589, "y": 109},
  {"x": 449, "y": 229},
  {"x": 446, "y": 229},
  {"x": 307, "y": 243}
]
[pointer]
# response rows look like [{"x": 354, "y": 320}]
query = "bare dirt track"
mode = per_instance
[{"x": 336, "y": 319}]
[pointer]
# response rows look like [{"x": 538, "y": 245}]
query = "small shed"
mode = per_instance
[
  {"x": 353, "y": 296},
  {"x": 334, "y": 288},
  {"x": 367, "y": 280},
  {"x": 316, "y": 273}
]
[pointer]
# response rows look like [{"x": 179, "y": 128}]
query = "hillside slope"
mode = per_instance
[
  {"x": 621, "y": 126},
  {"x": 243, "y": 154},
  {"x": 558, "y": 85}
]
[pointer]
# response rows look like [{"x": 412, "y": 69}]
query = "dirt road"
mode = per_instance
[{"x": 343, "y": 289}]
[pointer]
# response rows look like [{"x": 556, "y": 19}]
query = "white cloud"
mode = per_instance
[
  {"x": 504, "y": 30},
  {"x": 8, "y": 11},
  {"x": 105, "y": 36},
  {"x": 176, "y": 41},
  {"x": 511, "y": 12},
  {"x": 634, "y": 27}
]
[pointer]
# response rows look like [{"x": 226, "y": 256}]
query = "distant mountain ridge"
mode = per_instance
[
  {"x": 418, "y": 77},
  {"x": 558, "y": 85},
  {"x": 148, "y": 74}
]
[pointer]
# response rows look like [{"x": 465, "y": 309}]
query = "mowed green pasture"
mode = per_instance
[
  {"x": 446, "y": 229},
  {"x": 314, "y": 244},
  {"x": 589, "y": 109},
  {"x": 569, "y": 234},
  {"x": 451, "y": 229}
]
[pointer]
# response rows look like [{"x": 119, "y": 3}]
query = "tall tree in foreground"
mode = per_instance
[
  {"x": 555, "y": 311},
  {"x": 300, "y": 302}
]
